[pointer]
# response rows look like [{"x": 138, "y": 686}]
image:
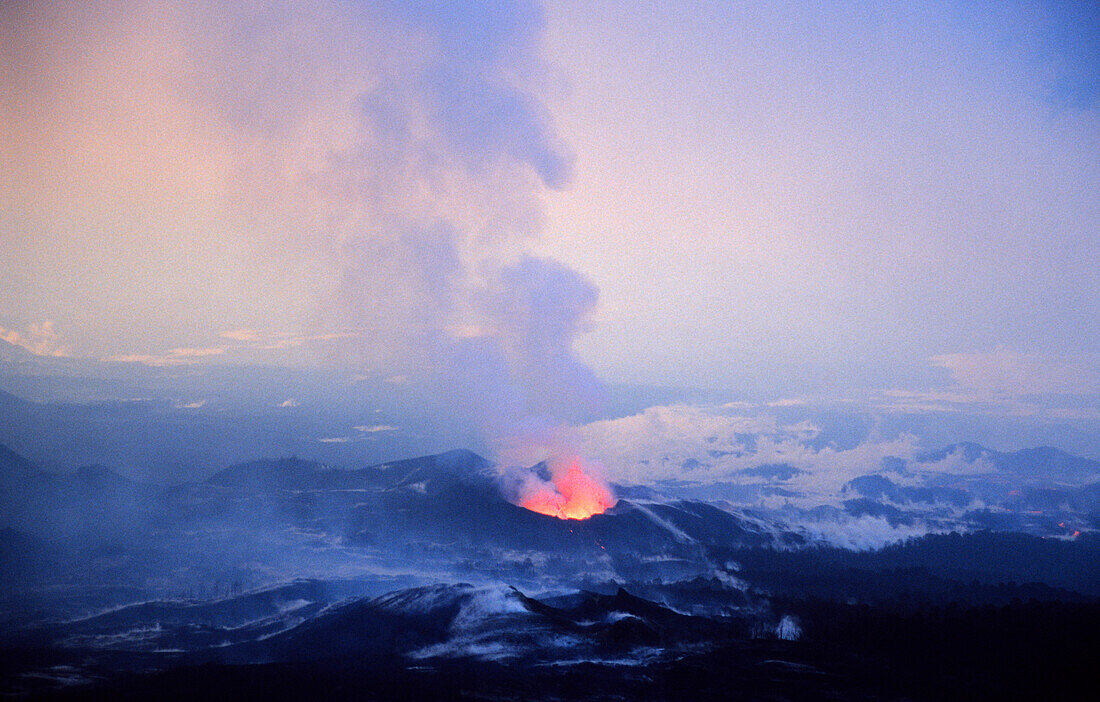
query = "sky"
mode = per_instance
[
  {"x": 520, "y": 202},
  {"x": 847, "y": 185}
]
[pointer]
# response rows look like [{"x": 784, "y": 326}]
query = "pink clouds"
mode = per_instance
[{"x": 40, "y": 338}]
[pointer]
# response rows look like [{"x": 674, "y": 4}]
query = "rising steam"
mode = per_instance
[{"x": 439, "y": 191}]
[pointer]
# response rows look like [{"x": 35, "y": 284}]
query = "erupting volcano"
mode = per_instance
[{"x": 572, "y": 494}]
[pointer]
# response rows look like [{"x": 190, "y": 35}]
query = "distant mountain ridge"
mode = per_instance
[
  {"x": 14, "y": 464},
  {"x": 406, "y": 508},
  {"x": 1042, "y": 461},
  {"x": 432, "y": 474},
  {"x": 440, "y": 505}
]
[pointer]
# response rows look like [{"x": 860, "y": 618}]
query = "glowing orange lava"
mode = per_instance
[{"x": 573, "y": 495}]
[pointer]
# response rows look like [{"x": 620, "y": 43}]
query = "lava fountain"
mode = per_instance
[{"x": 571, "y": 494}]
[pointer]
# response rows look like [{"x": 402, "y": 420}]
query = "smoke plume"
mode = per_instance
[
  {"x": 374, "y": 169},
  {"x": 438, "y": 195}
]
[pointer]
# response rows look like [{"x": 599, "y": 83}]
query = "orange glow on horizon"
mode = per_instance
[{"x": 574, "y": 495}]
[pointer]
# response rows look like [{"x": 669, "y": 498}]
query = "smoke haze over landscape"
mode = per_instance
[{"x": 440, "y": 348}]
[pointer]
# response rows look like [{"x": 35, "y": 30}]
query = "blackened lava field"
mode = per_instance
[{"x": 418, "y": 580}]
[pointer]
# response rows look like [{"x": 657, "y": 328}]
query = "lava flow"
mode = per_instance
[{"x": 571, "y": 495}]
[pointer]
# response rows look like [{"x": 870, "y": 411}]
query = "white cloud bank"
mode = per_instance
[{"x": 710, "y": 443}]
